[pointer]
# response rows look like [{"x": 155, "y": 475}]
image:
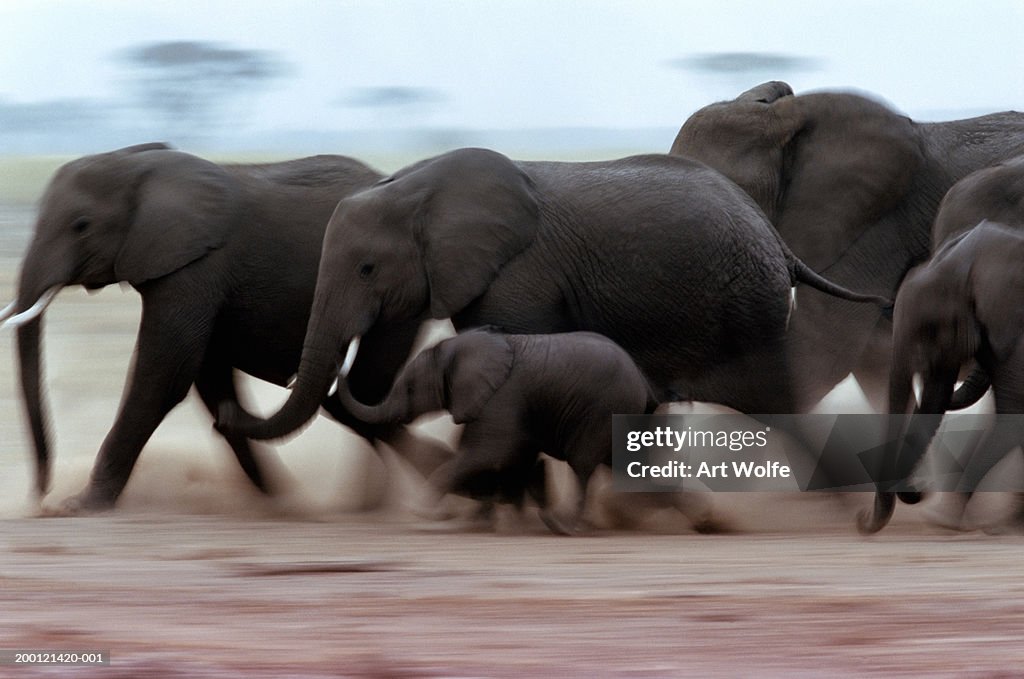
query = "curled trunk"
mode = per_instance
[
  {"x": 393, "y": 408},
  {"x": 317, "y": 370},
  {"x": 416, "y": 390},
  {"x": 972, "y": 390}
]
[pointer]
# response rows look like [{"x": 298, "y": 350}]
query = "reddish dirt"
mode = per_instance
[
  {"x": 376, "y": 596},
  {"x": 194, "y": 576}
]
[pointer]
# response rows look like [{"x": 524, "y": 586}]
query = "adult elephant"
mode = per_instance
[
  {"x": 225, "y": 258},
  {"x": 853, "y": 188},
  {"x": 660, "y": 254}
]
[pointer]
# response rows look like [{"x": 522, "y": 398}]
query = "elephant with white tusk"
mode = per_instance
[
  {"x": 662, "y": 255},
  {"x": 225, "y": 258}
]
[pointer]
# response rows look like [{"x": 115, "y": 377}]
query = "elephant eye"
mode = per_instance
[
  {"x": 80, "y": 225},
  {"x": 365, "y": 270}
]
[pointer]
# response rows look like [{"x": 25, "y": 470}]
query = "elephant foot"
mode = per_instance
[
  {"x": 1003, "y": 529},
  {"x": 697, "y": 509},
  {"x": 571, "y": 526},
  {"x": 83, "y": 504},
  {"x": 709, "y": 525},
  {"x": 869, "y": 522},
  {"x": 950, "y": 515},
  {"x": 1014, "y": 523},
  {"x": 452, "y": 523}
]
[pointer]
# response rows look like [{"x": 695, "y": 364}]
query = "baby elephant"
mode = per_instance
[
  {"x": 518, "y": 395},
  {"x": 966, "y": 303}
]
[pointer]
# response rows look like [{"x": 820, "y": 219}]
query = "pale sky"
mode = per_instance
[{"x": 531, "y": 63}]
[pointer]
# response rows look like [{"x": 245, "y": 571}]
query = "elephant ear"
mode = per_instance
[
  {"x": 745, "y": 139},
  {"x": 183, "y": 210},
  {"x": 767, "y": 93},
  {"x": 478, "y": 364},
  {"x": 479, "y": 212},
  {"x": 851, "y": 161},
  {"x": 139, "y": 148}
]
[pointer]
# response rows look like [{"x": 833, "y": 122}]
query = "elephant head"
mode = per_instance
[
  {"x": 459, "y": 375},
  {"x": 993, "y": 193},
  {"x": 426, "y": 241},
  {"x": 935, "y": 329},
  {"x": 836, "y": 160},
  {"x": 132, "y": 215}
]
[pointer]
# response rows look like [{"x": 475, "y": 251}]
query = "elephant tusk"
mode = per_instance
[
  {"x": 34, "y": 310},
  {"x": 792, "y": 305},
  {"x": 290, "y": 384},
  {"x": 350, "y": 357},
  {"x": 8, "y": 310},
  {"x": 334, "y": 387}
]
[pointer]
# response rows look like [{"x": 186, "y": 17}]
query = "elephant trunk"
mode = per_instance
[
  {"x": 39, "y": 283},
  {"x": 30, "y": 365},
  {"x": 416, "y": 390},
  {"x": 392, "y": 409},
  {"x": 317, "y": 370},
  {"x": 975, "y": 386},
  {"x": 901, "y": 395}
]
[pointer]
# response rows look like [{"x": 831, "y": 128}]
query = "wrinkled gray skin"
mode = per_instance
[
  {"x": 225, "y": 258},
  {"x": 518, "y": 395},
  {"x": 662, "y": 255},
  {"x": 853, "y": 188},
  {"x": 966, "y": 303},
  {"x": 997, "y": 194}
]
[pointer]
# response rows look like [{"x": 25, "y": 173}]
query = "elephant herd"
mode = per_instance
[{"x": 578, "y": 289}]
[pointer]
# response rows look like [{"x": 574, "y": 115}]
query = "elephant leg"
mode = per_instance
[
  {"x": 936, "y": 394},
  {"x": 1007, "y": 433},
  {"x": 906, "y": 450},
  {"x": 585, "y": 450},
  {"x": 878, "y": 517},
  {"x": 214, "y": 384},
  {"x": 573, "y": 523},
  {"x": 495, "y": 462},
  {"x": 1011, "y": 401},
  {"x": 537, "y": 485},
  {"x": 168, "y": 355}
]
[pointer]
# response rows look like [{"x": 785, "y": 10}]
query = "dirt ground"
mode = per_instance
[{"x": 195, "y": 576}]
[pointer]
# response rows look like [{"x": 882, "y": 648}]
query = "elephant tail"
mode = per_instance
[{"x": 801, "y": 273}]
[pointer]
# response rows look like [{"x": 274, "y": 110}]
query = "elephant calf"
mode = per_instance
[
  {"x": 966, "y": 303},
  {"x": 518, "y": 395}
]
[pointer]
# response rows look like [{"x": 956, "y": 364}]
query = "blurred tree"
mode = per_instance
[
  {"x": 192, "y": 85},
  {"x": 404, "y": 110},
  {"x": 735, "y": 72},
  {"x": 398, "y": 105}
]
